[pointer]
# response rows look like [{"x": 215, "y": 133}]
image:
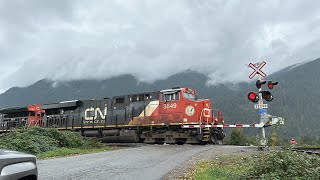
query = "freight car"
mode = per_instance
[{"x": 151, "y": 117}]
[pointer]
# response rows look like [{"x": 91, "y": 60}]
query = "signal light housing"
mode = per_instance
[
  {"x": 266, "y": 95},
  {"x": 271, "y": 84},
  {"x": 259, "y": 83},
  {"x": 252, "y": 96}
]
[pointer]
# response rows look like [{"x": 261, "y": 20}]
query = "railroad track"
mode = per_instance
[{"x": 308, "y": 150}]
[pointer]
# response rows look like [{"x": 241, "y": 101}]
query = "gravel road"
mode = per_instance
[{"x": 144, "y": 162}]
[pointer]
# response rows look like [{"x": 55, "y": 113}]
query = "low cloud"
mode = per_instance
[{"x": 71, "y": 40}]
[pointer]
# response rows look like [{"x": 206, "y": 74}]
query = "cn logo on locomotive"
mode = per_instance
[
  {"x": 92, "y": 114},
  {"x": 190, "y": 110}
]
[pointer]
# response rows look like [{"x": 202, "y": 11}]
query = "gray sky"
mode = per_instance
[{"x": 68, "y": 40}]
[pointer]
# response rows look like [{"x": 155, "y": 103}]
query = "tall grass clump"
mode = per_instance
[
  {"x": 284, "y": 165},
  {"x": 37, "y": 140}
]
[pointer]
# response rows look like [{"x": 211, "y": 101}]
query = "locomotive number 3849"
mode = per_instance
[{"x": 170, "y": 106}]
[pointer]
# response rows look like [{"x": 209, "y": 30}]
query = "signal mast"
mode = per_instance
[{"x": 258, "y": 97}]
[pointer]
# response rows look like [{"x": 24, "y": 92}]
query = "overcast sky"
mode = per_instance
[{"x": 68, "y": 40}]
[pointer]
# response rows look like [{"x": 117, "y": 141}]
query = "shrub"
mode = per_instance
[
  {"x": 273, "y": 140},
  {"x": 273, "y": 165},
  {"x": 237, "y": 137},
  {"x": 37, "y": 140},
  {"x": 309, "y": 141},
  {"x": 285, "y": 165}
]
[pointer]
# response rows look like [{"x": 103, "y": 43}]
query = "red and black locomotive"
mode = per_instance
[{"x": 152, "y": 117}]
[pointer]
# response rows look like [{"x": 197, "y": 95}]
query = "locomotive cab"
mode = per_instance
[
  {"x": 27, "y": 116},
  {"x": 181, "y": 105}
]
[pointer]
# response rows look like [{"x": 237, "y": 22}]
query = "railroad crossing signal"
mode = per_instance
[
  {"x": 266, "y": 95},
  {"x": 271, "y": 84},
  {"x": 258, "y": 97},
  {"x": 252, "y": 96},
  {"x": 260, "y": 83},
  {"x": 257, "y": 69}
]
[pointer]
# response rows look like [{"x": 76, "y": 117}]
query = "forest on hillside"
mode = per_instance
[{"x": 296, "y": 97}]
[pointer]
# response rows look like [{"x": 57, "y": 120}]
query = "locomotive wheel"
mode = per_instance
[
  {"x": 213, "y": 138},
  {"x": 220, "y": 141},
  {"x": 217, "y": 136},
  {"x": 180, "y": 141},
  {"x": 159, "y": 141},
  {"x": 203, "y": 142}
]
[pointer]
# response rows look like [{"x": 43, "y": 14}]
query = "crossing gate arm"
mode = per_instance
[
  {"x": 266, "y": 120},
  {"x": 260, "y": 125}
]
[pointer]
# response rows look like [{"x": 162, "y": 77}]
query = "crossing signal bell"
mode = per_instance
[
  {"x": 252, "y": 96},
  {"x": 271, "y": 84}
]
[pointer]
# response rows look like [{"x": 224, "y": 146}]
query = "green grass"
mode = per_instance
[
  {"x": 62, "y": 152},
  {"x": 47, "y": 143},
  {"x": 223, "y": 168},
  {"x": 273, "y": 165}
]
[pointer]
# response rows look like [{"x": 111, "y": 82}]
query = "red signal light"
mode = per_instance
[
  {"x": 252, "y": 96},
  {"x": 271, "y": 84}
]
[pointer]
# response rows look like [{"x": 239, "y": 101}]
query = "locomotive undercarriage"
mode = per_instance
[
  {"x": 176, "y": 135},
  {"x": 169, "y": 136},
  {"x": 217, "y": 136},
  {"x": 158, "y": 135}
]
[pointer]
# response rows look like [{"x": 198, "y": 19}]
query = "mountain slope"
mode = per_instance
[{"x": 296, "y": 98}]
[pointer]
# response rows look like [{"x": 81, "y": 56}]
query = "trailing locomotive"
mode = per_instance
[{"x": 152, "y": 117}]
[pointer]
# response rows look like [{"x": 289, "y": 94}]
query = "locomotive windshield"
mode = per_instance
[{"x": 189, "y": 96}]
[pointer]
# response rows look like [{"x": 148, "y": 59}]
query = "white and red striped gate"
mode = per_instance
[{"x": 260, "y": 125}]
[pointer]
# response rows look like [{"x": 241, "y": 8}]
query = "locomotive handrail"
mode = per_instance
[{"x": 208, "y": 109}]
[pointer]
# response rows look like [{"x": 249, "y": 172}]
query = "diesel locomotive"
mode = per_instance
[{"x": 150, "y": 117}]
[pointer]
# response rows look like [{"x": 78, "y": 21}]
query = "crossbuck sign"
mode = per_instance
[{"x": 257, "y": 69}]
